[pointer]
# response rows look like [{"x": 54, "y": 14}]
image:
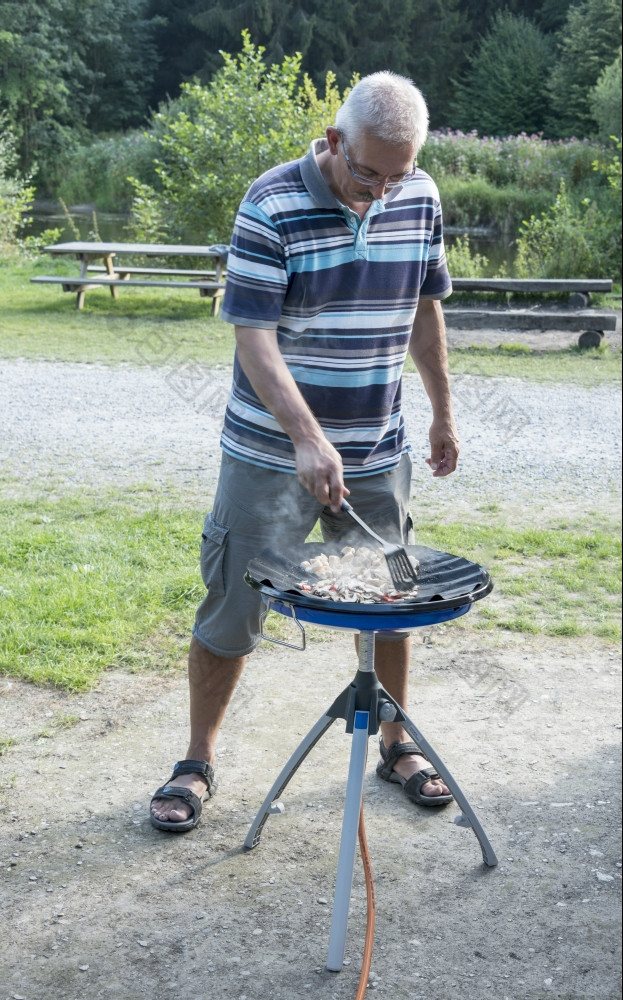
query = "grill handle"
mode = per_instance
[{"x": 281, "y": 642}]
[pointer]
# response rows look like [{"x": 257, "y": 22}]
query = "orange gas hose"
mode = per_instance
[{"x": 369, "y": 939}]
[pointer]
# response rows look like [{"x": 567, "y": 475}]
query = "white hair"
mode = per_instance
[{"x": 387, "y": 106}]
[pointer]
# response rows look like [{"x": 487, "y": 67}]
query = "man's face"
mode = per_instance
[{"x": 371, "y": 158}]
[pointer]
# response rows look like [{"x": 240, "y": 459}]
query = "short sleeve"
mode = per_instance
[{"x": 256, "y": 274}]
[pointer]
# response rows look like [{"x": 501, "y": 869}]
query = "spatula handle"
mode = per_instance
[{"x": 349, "y": 510}]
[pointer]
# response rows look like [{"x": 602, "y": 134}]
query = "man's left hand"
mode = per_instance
[{"x": 444, "y": 448}]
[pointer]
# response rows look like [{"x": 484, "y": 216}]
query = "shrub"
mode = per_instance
[
  {"x": 477, "y": 202},
  {"x": 463, "y": 262},
  {"x": 569, "y": 241},
  {"x": 99, "y": 172},
  {"x": 531, "y": 161},
  {"x": 217, "y": 139},
  {"x": 16, "y": 194}
]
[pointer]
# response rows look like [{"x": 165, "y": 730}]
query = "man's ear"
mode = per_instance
[{"x": 333, "y": 137}]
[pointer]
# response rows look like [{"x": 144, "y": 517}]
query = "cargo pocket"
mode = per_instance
[
  {"x": 213, "y": 545},
  {"x": 409, "y": 532}
]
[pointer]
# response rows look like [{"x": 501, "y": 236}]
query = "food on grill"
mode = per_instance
[{"x": 357, "y": 575}]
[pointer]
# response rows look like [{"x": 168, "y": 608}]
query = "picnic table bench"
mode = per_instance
[
  {"x": 113, "y": 273},
  {"x": 589, "y": 323}
]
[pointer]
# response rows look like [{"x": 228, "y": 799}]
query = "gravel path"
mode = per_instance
[{"x": 86, "y": 425}]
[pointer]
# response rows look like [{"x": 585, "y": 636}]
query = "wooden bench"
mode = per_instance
[
  {"x": 121, "y": 271},
  {"x": 215, "y": 289},
  {"x": 589, "y": 323}
]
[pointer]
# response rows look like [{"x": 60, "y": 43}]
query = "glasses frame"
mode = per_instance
[{"x": 406, "y": 179}]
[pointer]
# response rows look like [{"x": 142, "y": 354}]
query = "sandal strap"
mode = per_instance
[
  {"x": 175, "y": 792},
  {"x": 391, "y": 754},
  {"x": 200, "y": 767}
]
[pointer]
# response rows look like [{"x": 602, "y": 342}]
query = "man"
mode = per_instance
[{"x": 336, "y": 269}]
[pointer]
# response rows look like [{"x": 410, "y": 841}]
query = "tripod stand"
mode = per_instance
[{"x": 364, "y": 704}]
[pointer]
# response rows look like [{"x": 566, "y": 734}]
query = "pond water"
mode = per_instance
[{"x": 112, "y": 228}]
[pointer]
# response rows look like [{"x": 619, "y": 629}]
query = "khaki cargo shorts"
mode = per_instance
[{"x": 256, "y": 508}]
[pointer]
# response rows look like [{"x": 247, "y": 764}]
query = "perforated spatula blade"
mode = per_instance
[{"x": 398, "y": 563}]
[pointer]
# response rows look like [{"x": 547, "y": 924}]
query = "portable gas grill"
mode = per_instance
[{"x": 448, "y": 587}]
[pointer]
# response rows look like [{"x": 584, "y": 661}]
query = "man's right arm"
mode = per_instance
[{"x": 318, "y": 464}]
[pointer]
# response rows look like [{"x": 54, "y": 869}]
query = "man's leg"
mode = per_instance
[
  {"x": 391, "y": 662},
  {"x": 212, "y": 681}
]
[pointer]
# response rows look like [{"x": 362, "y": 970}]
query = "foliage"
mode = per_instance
[
  {"x": 248, "y": 119},
  {"x": 590, "y": 41},
  {"x": 502, "y": 91},
  {"x": 67, "y": 67},
  {"x": 463, "y": 262},
  {"x": 16, "y": 195},
  {"x": 499, "y": 182},
  {"x": 567, "y": 240},
  {"x": 605, "y": 101},
  {"x": 529, "y": 160},
  {"x": 99, "y": 171},
  {"x": 474, "y": 202},
  {"x": 345, "y": 37}
]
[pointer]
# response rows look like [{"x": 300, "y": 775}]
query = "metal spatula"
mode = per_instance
[{"x": 398, "y": 563}]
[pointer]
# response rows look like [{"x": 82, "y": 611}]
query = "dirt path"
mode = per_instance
[{"x": 96, "y": 903}]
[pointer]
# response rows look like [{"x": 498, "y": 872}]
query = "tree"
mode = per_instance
[
  {"x": 418, "y": 38},
  {"x": 503, "y": 90},
  {"x": 605, "y": 101},
  {"x": 66, "y": 68},
  {"x": 589, "y": 42}
]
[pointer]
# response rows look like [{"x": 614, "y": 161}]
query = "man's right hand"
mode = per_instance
[{"x": 319, "y": 468}]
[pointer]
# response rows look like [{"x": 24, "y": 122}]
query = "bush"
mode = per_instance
[
  {"x": 16, "y": 194},
  {"x": 99, "y": 172},
  {"x": 476, "y": 202},
  {"x": 531, "y": 161},
  {"x": 569, "y": 241},
  {"x": 215, "y": 140},
  {"x": 463, "y": 262}
]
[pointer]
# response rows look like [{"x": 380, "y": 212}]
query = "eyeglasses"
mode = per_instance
[{"x": 372, "y": 179}]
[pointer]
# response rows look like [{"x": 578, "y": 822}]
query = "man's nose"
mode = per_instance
[{"x": 378, "y": 190}]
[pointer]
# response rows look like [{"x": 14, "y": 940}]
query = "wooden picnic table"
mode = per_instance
[{"x": 112, "y": 272}]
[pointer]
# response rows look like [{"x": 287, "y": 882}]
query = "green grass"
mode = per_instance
[
  {"x": 90, "y": 584},
  {"x": 140, "y": 327},
  {"x": 147, "y": 327},
  {"x": 563, "y": 580}
]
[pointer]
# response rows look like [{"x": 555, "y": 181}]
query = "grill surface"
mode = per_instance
[{"x": 448, "y": 584}]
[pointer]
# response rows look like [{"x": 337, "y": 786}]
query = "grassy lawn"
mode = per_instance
[
  {"x": 41, "y": 322},
  {"x": 89, "y": 584}
]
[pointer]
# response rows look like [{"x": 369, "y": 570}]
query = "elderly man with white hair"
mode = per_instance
[{"x": 336, "y": 271}]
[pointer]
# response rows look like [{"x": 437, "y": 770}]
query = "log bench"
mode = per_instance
[{"x": 589, "y": 323}]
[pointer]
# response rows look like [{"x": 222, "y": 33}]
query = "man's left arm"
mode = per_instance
[{"x": 428, "y": 349}]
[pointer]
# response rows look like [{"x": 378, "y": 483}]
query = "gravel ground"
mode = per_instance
[{"x": 86, "y": 425}]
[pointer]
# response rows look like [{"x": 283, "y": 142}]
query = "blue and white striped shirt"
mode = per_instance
[{"x": 342, "y": 293}]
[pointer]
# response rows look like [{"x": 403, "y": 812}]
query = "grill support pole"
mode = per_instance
[{"x": 363, "y": 705}]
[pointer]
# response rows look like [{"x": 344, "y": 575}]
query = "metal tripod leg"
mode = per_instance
[
  {"x": 297, "y": 758},
  {"x": 469, "y": 817}
]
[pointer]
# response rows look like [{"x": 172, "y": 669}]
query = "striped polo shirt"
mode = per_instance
[{"x": 341, "y": 292}]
